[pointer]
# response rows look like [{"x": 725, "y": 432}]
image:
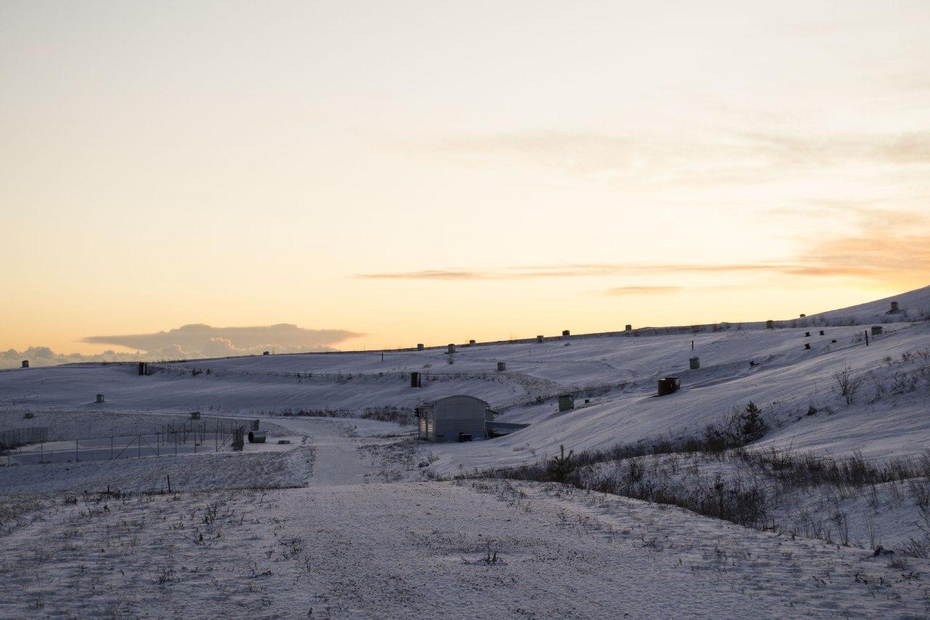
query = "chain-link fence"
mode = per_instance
[{"x": 29, "y": 446}]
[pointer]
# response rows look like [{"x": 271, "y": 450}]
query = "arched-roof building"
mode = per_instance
[{"x": 453, "y": 418}]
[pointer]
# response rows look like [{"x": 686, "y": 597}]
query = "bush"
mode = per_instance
[
  {"x": 740, "y": 429},
  {"x": 849, "y": 384},
  {"x": 403, "y": 415}
]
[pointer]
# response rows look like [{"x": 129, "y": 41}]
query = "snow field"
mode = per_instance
[
  {"x": 354, "y": 518},
  {"x": 429, "y": 550}
]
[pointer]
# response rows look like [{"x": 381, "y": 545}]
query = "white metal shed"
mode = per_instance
[{"x": 454, "y": 418}]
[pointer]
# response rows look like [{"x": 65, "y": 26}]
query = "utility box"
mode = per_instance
[
  {"x": 669, "y": 385},
  {"x": 99, "y": 398},
  {"x": 143, "y": 369},
  {"x": 877, "y": 330},
  {"x": 195, "y": 415},
  {"x": 416, "y": 380},
  {"x": 420, "y": 346},
  {"x": 25, "y": 363},
  {"x": 540, "y": 338},
  {"x": 770, "y": 324},
  {"x": 628, "y": 328},
  {"x": 501, "y": 366},
  {"x": 566, "y": 402},
  {"x": 451, "y": 348},
  {"x": 694, "y": 363},
  {"x": 566, "y": 332},
  {"x": 471, "y": 343}
]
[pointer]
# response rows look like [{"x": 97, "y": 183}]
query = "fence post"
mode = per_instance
[{"x": 77, "y": 454}]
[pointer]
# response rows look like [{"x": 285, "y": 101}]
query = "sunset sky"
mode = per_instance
[{"x": 407, "y": 172}]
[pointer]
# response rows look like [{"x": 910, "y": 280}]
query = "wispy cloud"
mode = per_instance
[
  {"x": 882, "y": 246},
  {"x": 644, "y": 290},
  {"x": 725, "y": 155},
  {"x": 588, "y": 270},
  {"x": 890, "y": 253},
  {"x": 823, "y": 209},
  {"x": 448, "y": 274},
  {"x": 820, "y": 151}
]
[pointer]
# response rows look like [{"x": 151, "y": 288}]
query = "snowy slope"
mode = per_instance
[
  {"x": 286, "y": 530},
  {"x": 616, "y": 373}
]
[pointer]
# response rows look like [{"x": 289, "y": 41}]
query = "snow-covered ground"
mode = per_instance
[
  {"x": 417, "y": 549},
  {"x": 353, "y": 517}
]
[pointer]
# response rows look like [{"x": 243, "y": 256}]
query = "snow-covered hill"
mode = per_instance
[
  {"x": 307, "y": 526},
  {"x": 613, "y": 377}
]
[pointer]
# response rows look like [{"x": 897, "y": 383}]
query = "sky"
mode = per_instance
[{"x": 406, "y": 172}]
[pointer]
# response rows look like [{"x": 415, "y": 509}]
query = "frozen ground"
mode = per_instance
[
  {"x": 354, "y": 518},
  {"x": 343, "y": 548}
]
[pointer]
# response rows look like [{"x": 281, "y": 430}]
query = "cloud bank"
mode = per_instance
[
  {"x": 189, "y": 342},
  {"x": 220, "y": 340},
  {"x": 44, "y": 356}
]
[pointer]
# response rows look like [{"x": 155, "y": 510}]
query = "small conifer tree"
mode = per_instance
[
  {"x": 561, "y": 467},
  {"x": 754, "y": 427}
]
